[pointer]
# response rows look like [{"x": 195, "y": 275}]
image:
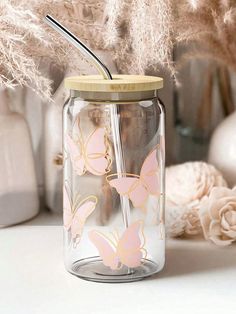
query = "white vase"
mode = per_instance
[
  {"x": 53, "y": 151},
  {"x": 18, "y": 186},
  {"x": 222, "y": 149}
]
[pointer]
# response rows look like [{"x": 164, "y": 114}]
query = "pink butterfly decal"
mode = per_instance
[
  {"x": 138, "y": 187},
  {"x": 92, "y": 155},
  {"x": 127, "y": 250},
  {"x": 75, "y": 215}
]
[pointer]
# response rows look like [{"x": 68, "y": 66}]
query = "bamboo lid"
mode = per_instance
[{"x": 120, "y": 83}]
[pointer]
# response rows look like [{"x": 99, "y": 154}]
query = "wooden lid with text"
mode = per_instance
[{"x": 119, "y": 83}]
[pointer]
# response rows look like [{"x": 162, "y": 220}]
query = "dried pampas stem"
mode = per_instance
[
  {"x": 140, "y": 35},
  {"x": 148, "y": 30},
  {"x": 143, "y": 31},
  {"x": 25, "y": 40},
  {"x": 19, "y": 37},
  {"x": 225, "y": 90}
]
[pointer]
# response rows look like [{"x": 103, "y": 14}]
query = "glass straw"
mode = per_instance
[{"x": 115, "y": 117}]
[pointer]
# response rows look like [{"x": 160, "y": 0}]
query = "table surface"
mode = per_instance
[{"x": 198, "y": 277}]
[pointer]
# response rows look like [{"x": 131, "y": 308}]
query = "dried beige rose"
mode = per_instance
[
  {"x": 218, "y": 215},
  {"x": 186, "y": 185}
]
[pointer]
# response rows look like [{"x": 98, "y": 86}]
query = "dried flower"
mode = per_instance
[
  {"x": 181, "y": 220},
  {"x": 25, "y": 39},
  {"x": 190, "y": 181},
  {"x": 145, "y": 32},
  {"x": 218, "y": 215},
  {"x": 186, "y": 185},
  {"x": 17, "y": 66},
  {"x": 140, "y": 33}
]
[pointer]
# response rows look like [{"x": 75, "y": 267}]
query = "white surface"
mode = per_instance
[{"x": 198, "y": 278}]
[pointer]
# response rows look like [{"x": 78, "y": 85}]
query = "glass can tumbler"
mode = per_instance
[{"x": 113, "y": 188}]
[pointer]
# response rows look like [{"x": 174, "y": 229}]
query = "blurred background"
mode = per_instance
[{"x": 189, "y": 44}]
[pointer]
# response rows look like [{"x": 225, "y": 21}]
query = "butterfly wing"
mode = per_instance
[
  {"x": 123, "y": 185},
  {"x": 81, "y": 214},
  {"x": 130, "y": 245},
  {"x": 98, "y": 161},
  {"x": 131, "y": 187},
  {"x": 138, "y": 195},
  {"x": 75, "y": 156},
  {"x": 105, "y": 248},
  {"x": 67, "y": 209},
  {"x": 149, "y": 173}
]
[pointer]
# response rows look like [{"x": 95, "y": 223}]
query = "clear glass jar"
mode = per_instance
[{"x": 114, "y": 179}]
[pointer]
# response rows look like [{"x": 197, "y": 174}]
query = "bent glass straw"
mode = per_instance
[{"x": 115, "y": 117}]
